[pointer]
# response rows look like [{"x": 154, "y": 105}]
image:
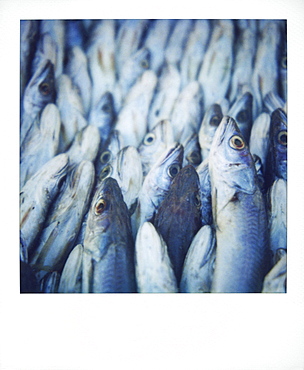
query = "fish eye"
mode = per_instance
[
  {"x": 215, "y": 120},
  {"x": 45, "y": 88},
  {"x": 284, "y": 62},
  {"x": 100, "y": 206},
  {"x": 106, "y": 108},
  {"x": 236, "y": 142},
  {"x": 173, "y": 170},
  {"x": 149, "y": 138},
  {"x": 242, "y": 116},
  {"x": 105, "y": 157},
  {"x": 144, "y": 64},
  {"x": 194, "y": 157},
  {"x": 282, "y": 138},
  {"x": 105, "y": 172}
]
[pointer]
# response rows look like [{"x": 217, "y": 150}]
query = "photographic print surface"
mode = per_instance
[{"x": 153, "y": 156}]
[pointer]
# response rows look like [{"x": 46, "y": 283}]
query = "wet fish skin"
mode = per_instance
[
  {"x": 211, "y": 120},
  {"x": 50, "y": 283},
  {"x": 108, "y": 257},
  {"x": 71, "y": 276},
  {"x": 192, "y": 151},
  {"x": 199, "y": 263},
  {"x": 182, "y": 202},
  {"x": 276, "y": 280},
  {"x": 37, "y": 195},
  {"x": 64, "y": 220},
  {"x": 276, "y": 162},
  {"x": 273, "y": 101},
  {"x": 154, "y": 273},
  {"x": 45, "y": 50},
  {"x": 239, "y": 214}
]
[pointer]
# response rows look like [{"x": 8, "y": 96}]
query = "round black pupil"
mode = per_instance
[
  {"x": 173, "y": 171},
  {"x": 100, "y": 206},
  {"x": 238, "y": 143},
  {"x": 283, "y": 138},
  {"x": 149, "y": 139},
  {"x": 215, "y": 121},
  {"x": 105, "y": 157},
  {"x": 44, "y": 88}
]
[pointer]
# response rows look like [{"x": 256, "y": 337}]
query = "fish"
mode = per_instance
[
  {"x": 259, "y": 137},
  {"x": 205, "y": 188},
  {"x": 45, "y": 50},
  {"x": 215, "y": 72},
  {"x": 210, "y": 122},
  {"x": 283, "y": 63},
  {"x": 182, "y": 202},
  {"x": 155, "y": 143},
  {"x": 103, "y": 116},
  {"x": 194, "y": 51},
  {"x": 278, "y": 216},
  {"x": 241, "y": 112},
  {"x": 166, "y": 93},
  {"x": 37, "y": 195},
  {"x": 199, "y": 263},
  {"x": 156, "y": 184},
  {"x": 276, "y": 280},
  {"x": 154, "y": 273},
  {"x": 50, "y": 282},
  {"x": 273, "y": 101},
  {"x": 71, "y": 276},
  {"x": 239, "y": 214},
  {"x": 71, "y": 111},
  {"x": 78, "y": 71},
  {"x": 63, "y": 221},
  {"x": 156, "y": 40},
  {"x": 75, "y": 34},
  {"x": 192, "y": 151},
  {"x": 132, "y": 119},
  {"x": 108, "y": 256},
  {"x": 276, "y": 161},
  {"x": 186, "y": 115},
  {"x": 42, "y": 145},
  {"x": 101, "y": 58},
  {"x": 39, "y": 92}
]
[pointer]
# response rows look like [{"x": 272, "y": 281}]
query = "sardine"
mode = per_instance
[
  {"x": 182, "y": 202},
  {"x": 276, "y": 280},
  {"x": 192, "y": 151},
  {"x": 205, "y": 189},
  {"x": 154, "y": 273},
  {"x": 199, "y": 263},
  {"x": 239, "y": 214},
  {"x": 108, "y": 257}
]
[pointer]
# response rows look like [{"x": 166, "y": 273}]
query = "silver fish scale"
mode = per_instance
[{"x": 153, "y": 85}]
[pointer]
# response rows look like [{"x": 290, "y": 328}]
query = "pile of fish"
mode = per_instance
[{"x": 153, "y": 156}]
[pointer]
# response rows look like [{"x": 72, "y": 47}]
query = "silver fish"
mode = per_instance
[
  {"x": 215, "y": 72},
  {"x": 239, "y": 214},
  {"x": 50, "y": 282},
  {"x": 155, "y": 143},
  {"x": 154, "y": 273},
  {"x": 71, "y": 111},
  {"x": 46, "y": 50},
  {"x": 272, "y": 101},
  {"x": 132, "y": 119},
  {"x": 108, "y": 257},
  {"x": 37, "y": 195},
  {"x": 192, "y": 151},
  {"x": 64, "y": 220},
  {"x": 199, "y": 263},
  {"x": 166, "y": 93},
  {"x": 42, "y": 145},
  {"x": 77, "y": 70},
  {"x": 71, "y": 276},
  {"x": 276, "y": 280},
  {"x": 186, "y": 114},
  {"x": 205, "y": 192},
  {"x": 194, "y": 51}
]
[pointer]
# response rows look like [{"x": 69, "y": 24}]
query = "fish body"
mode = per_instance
[
  {"x": 108, "y": 257},
  {"x": 37, "y": 195},
  {"x": 276, "y": 280},
  {"x": 199, "y": 263},
  {"x": 154, "y": 273},
  {"x": 182, "y": 202},
  {"x": 166, "y": 93},
  {"x": 64, "y": 220},
  {"x": 211, "y": 120},
  {"x": 71, "y": 276},
  {"x": 41, "y": 145},
  {"x": 205, "y": 189},
  {"x": 239, "y": 214},
  {"x": 192, "y": 151}
]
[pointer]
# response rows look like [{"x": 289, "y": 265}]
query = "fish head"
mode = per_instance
[
  {"x": 278, "y": 135},
  {"x": 211, "y": 120},
  {"x": 230, "y": 160},
  {"x": 192, "y": 151},
  {"x": 241, "y": 112}
]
